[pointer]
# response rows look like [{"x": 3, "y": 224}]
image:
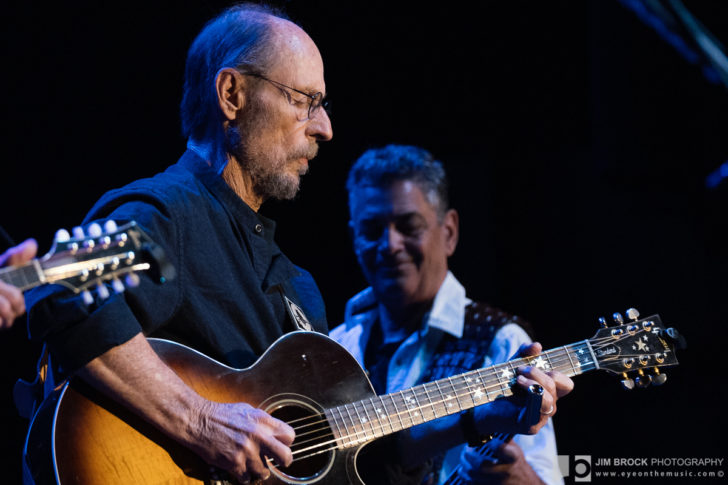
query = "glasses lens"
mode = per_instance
[{"x": 317, "y": 102}]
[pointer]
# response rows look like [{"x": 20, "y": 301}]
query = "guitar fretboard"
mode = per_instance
[
  {"x": 23, "y": 277},
  {"x": 356, "y": 423}
]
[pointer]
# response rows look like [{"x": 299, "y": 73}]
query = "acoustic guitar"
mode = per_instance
[{"x": 306, "y": 379}]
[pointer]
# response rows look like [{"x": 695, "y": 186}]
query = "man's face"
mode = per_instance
[
  {"x": 401, "y": 245},
  {"x": 275, "y": 138}
]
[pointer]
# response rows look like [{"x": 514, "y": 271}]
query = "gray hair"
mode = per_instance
[
  {"x": 238, "y": 37},
  {"x": 380, "y": 167}
]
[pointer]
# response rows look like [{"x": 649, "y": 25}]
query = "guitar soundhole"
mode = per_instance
[{"x": 313, "y": 448}]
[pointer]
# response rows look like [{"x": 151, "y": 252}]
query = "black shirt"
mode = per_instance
[{"x": 227, "y": 300}]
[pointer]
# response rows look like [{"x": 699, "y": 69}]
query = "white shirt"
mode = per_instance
[{"x": 409, "y": 362}]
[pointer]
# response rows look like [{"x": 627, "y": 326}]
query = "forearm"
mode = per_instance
[{"x": 133, "y": 375}]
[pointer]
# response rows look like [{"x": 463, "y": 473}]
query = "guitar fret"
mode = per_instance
[
  {"x": 466, "y": 379},
  {"x": 338, "y": 435},
  {"x": 446, "y": 406},
  {"x": 408, "y": 405},
  {"x": 360, "y": 421},
  {"x": 369, "y": 418},
  {"x": 346, "y": 433},
  {"x": 381, "y": 413},
  {"x": 353, "y": 424},
  {"x": 431, "y": 401},
  {"x": 418, "y": 411},
  {"x": 571, "y": 361},
  {"x": 455, "y": 393},
  {"x": 484, "y": 379},
  {"x": 399, "y": 414}
]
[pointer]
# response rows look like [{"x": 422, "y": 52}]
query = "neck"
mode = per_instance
[
  {"x": 230, "y": 170},
  {"x": 400, "y": 321}
]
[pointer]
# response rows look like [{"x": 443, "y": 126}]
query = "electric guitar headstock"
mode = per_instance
[
  {"x": 86, "y": 260},
  {"x": 636, "y": 350}
]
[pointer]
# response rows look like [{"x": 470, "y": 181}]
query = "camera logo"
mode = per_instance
[{"x": 578, "y": 466}]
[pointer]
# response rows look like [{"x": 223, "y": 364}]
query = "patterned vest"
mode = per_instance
[{"x": 459, "y": 355}]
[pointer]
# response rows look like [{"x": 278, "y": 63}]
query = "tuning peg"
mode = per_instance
[
  {"x": 87, "y": 297},
  {"x": 627, "y": 383},
  {"x": 632, "y": 313},
  {"x": 117, "y": 285},
  {"x": 617, "y": 317},
  {"x": 658, "y": 378},
  {"x": 602, "y": 322},
  {"x": 102, "y": 290},
  {"x": 642, "y": 380},
  {"x": 94, "y": 230},
  {"x": 78, "y": 232},
  {"x": 132, "y": 280},
  {"x": 110, "y": 226},
  {"x": 62, "y": 235}
]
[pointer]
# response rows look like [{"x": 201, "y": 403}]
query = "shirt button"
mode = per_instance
[{"x": 259, "y": 228}]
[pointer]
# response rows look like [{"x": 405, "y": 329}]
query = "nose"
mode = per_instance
[
  {"x": 319, "y": 126},
  {"x": 391, "y": 241}
]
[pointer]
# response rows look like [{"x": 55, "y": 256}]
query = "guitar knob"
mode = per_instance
[
  {"x": 117, "y": 285},
  {"x": 632, "y": 314},
  {"x": 642, "y": 380},
  {"x": 110, "y": 226},
  {"x": 132, "y": 280},
  {"x": 617, "y": 317},
  {"x": 87, "y": 297},
  {"x": 94, "y": 230},
  {"x": 62, "y": 235},
  {"x": 602, "y": 322},
  {"x": 658, "y": 378},
  {"x": 627, "y": 383},
  {"x": 103, "y": 291},
  {"x": 78, "y": 232}
]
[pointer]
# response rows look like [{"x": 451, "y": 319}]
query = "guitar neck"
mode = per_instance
[
  {"x": 23, "y": 277},
  {"x": 359, "y": 422}
]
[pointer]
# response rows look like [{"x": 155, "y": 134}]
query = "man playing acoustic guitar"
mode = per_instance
[
  {"x": 415, "y": 323},
  {"x": 253, "y": 111}
]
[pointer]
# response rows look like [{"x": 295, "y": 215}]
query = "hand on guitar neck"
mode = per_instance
[
  {"x": 512, "y": 415},
  {"x": 12, "y": 303}
]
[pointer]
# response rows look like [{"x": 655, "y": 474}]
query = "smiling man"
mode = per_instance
[{"x": 415, "y": 324}]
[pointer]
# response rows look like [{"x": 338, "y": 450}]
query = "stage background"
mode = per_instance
[{"x": 577, "y": 140}]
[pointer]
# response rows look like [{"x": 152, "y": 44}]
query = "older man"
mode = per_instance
[
  {"x": 415, "y": 323},
  {"x": 253, "y": 113}
]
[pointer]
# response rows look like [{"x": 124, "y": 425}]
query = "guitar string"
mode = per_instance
[
  {"x": 364, "y": 431},
  {"x": 487, "y": 373},
  {"x": 493, "y": 373},
  {"x": 494, "y": 369}
]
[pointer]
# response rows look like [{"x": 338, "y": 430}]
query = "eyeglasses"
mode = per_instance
[{"x": 315, "y": 100}]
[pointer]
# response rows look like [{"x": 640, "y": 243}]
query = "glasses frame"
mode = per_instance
[{"x": 315, "y": 100}]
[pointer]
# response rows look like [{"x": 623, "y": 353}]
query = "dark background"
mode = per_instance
[{"x": 577, "y": 140}]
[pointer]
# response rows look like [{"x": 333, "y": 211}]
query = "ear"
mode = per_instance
[
  {"x": 230, "y": 87},
  {"x": 451, "y": 230}
]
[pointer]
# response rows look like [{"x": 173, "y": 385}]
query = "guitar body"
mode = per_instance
[{"x": 80, "y": 437}]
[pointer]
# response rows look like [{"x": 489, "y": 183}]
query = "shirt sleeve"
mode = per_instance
[
  {"x": 539, "y": 449},
  {"x": 76, "y": 333}
]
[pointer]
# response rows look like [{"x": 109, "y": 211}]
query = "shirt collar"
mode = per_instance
[
  {"x": 447, "y": 314},
  {"x": 448, "y": 309}
]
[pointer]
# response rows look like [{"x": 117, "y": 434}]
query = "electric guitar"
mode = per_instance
[
  {"x": 306, "y": 379},
  {"x": 83, "y": 262}
]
